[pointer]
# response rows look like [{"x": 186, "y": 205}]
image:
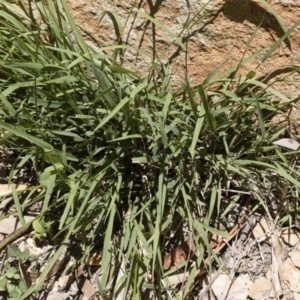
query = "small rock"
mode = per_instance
[
  {"x": 221, "y": 286},
  {"x": 290, "y": 275},
  {"x": 239, "y": 290},
  {"x": 5, "y": 202},
  {"x": 73, "y": 288},
  {"x": 260, "y": 230},
  {"x": 57, "y": 296},
  {"x": 10, "y": 225},
  {"x": 290, "y": 236},
  {"x": 260, "y": 289},
  {"x": 30, "y": 244}
]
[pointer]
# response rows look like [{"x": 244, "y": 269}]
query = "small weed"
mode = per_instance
[{"x": 13, "y": 281}]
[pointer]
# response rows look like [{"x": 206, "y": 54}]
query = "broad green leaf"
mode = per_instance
[
  {"x": 3, "y": 284},
  {"x": 44, "y": 178},
  {"x": 11, "y": 272},
  {"x": 12, "y": 250}
]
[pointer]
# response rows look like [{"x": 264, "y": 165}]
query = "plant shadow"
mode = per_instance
[
  {"x": 248, "y": 10},
  {"x": 240, "y": 11}
]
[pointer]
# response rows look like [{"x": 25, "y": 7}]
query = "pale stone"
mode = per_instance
[
  {"x": 260, "y": 289},
  {"x": 290, "y": 236},
  {"x": 296, "y": 296},
  {"x": 10, "y": 225},
  {"x": 290, "y": 275},
  {"x": 295, "y": 257},
  {"x": 57, "y": 295},
  {"x": 221, "y": 286},
  {"x": 261, "y": 229},
  {"x": 239, "y": 290},
  {"x": 5, "y": 202}
]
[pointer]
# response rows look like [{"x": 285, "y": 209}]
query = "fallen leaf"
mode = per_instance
[
  {"x": 53, "y": 271},
  {"x": 167, "y": 262},
  {"x": 179, "y": 255},
  {"x": 84, "y": 284},
  {"x": 95, "y": 259},
  {"x": 287, "y": 143},
  {"x": 62, "y": 283}
]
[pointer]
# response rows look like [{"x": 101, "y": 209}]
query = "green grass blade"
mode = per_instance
[
  {"x": 49, "y": 190},
  {"x": 18, "y": 205},
  {"x": 8, "y": 106},
  {"x": 208, "y": 114},
  {"x": 197, "y": 130},
  {"x": 274, "y": 13},
  {"x": 280, "y": 171},
  {"x": 106, "y": 256},
  {"x": 71, "y": 202},
  {"x": 260, "y": 119},
  {"x": 278, "y": 43},
  {"x": 25, "y": 136}
]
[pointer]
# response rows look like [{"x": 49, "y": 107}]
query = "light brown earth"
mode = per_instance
[{"x": 222, "y": 34}]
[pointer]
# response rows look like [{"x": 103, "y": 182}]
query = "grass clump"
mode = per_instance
[{"x": 130, "y": 167}]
